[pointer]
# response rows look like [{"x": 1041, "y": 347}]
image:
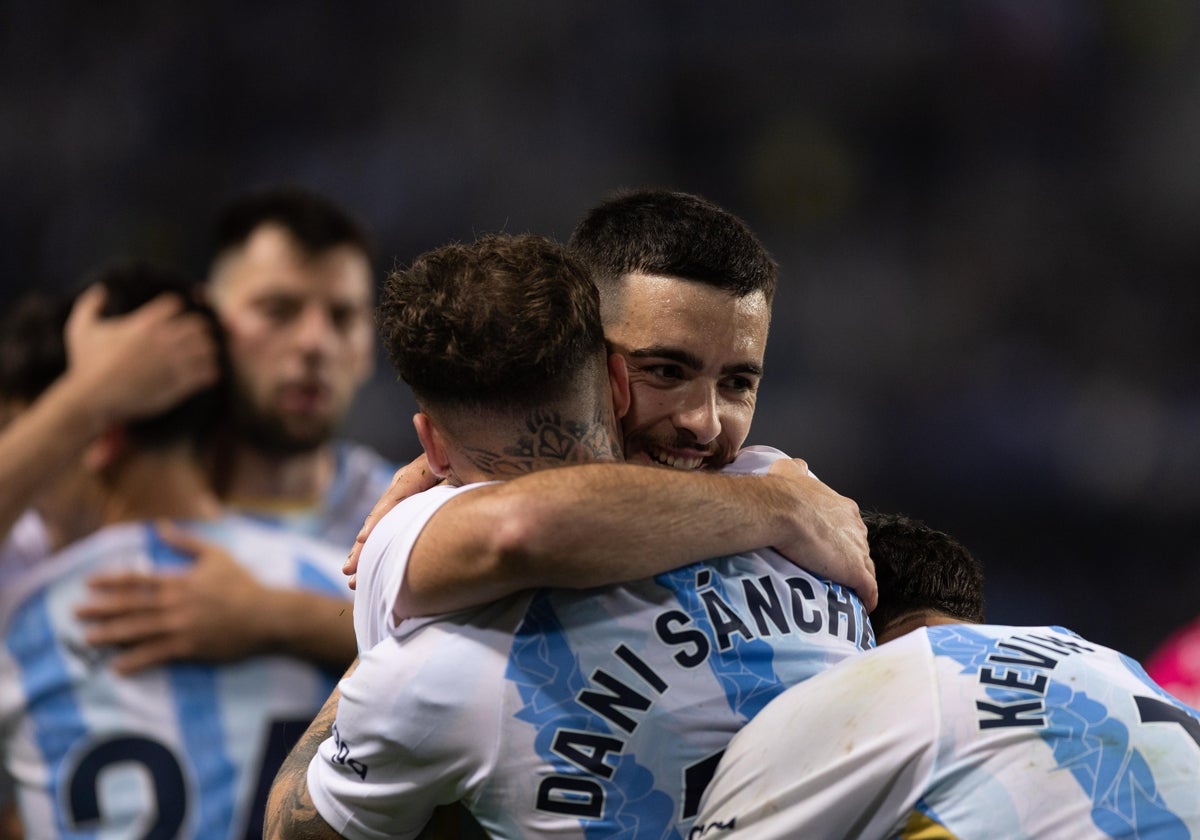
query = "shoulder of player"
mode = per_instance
[
  {"x": 359, "y": 463},
  {"x": 125, "y": 545},
  {"x": 441, "y": 663}
]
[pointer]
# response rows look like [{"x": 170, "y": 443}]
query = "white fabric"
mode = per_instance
[
  {"x": 384, "y": 561},
  {"x": 25, "y": 545},
  {"x": 504, "y": 707},
  {"x": 906, "y": 741},
  {"x": 198, "y": 733}
]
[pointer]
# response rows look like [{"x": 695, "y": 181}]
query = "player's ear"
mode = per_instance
[
  {"x": 103, "y": 452},
  {"x": 434, "y": 444},
  {"x": 618, "y": 380}
]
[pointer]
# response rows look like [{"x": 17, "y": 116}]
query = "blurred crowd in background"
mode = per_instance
[{"x": 985, "y": 215}]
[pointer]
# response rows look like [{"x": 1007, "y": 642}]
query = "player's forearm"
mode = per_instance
[
  {"x": 589, "y": 526},
  {"x": 41, "y": 442},
  {"x": 313, "y": 627},
  {"x": 291, "y": 814}
]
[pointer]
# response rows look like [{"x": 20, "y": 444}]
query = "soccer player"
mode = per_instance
[
  {"x": 557, "y": 712},
  {"x": 686, "y": 291},
  {"x": 951, "y": 728},
  {"x": 291, "y": 282},
  {"x": 115, "y": 369},
  {"x": 184, "y": 750}
]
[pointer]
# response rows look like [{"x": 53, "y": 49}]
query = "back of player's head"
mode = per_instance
[
  {"x": 673, "y": 234},
  {"x": 920, "y": 569},
  {"x": 128, "y": 285},
  {"x": 314, "y": 221},
  {"x": 507, "y": 323},
  {"x": 32, "y": 352}
]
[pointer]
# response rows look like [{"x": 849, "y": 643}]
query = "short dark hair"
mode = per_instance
[
  {"x": 32, "y": 351},
  {"x": 507, "y": 322},
  {"x": 919, "y": 568},
  {"x": 316, "y": 222},
  {"x": 34, "y": 347},
  {"x": 675, "y": 234}
]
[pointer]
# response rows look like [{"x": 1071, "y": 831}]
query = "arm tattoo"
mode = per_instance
[
  {"x": 549, "y": 438},
  {"x": 291, "y": 814}
]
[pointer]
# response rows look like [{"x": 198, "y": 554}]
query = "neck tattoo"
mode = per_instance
[{"x": 548, "y": 438}]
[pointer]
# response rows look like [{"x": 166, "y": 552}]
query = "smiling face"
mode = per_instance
[
  {"x": 300, "y": 336},
  {"x": 695, "y": 358}
]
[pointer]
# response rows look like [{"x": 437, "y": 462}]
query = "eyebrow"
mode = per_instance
[{"x": 691, "y": 360}]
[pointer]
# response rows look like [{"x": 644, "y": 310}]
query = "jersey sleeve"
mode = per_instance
[
  {"x": 416, "y": 724},
  {"x": 754, "y": 460},
  {"x": 384, "y": 561},
  {"x": 843, "y": 754}
]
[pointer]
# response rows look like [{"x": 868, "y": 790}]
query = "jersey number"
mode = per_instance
[
  {"x": 170, "y": 787},
  {"x": 170, "y": 790},
  {"x": 1153, "y": 710},
  {"x": 695, "y": 782}
]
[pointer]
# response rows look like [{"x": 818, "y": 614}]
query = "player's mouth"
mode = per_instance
[
  {"x": 304, "y": 398},
  {"x": 674, "y": 459}
]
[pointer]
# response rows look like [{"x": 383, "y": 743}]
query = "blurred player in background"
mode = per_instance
[
  {"x": 116, "y": 369},
  {"x": 179, "y": 751},
  {"x": 291, "y": 282},
  {"x": 952, "y": 728}
]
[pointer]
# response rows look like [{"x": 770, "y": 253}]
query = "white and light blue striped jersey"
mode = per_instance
[
  {"x": 966, "y": 731},
  {"x": 360, "y": 477},
  {"x": 384, "y": 560},
  {"x": 183, "y": 751},
  {"x": 580, "y": 713}
]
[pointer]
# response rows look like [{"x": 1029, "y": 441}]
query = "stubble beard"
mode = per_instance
[{"x": 275, "y": 435}]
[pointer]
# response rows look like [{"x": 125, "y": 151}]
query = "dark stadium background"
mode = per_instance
[{"x": 986, "y": 215}]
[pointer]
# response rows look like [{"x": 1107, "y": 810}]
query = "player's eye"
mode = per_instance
[
  {"x": 665, "y": 371},
  {"x": 741, "y": 384},
  {"x": 278, "y": 310}
]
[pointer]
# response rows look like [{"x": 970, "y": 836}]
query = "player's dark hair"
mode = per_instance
[
  {"x": 32, "y": 351},
  {"x": 919, "y": 568},
  {"x": 507, "y": 322},
  {"x": 316, "y": 222},
  {"x": 675, "y": 234},
  {"x": 128, "y": 285}
]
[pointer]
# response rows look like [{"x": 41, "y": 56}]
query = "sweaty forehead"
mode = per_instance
[{"x": 711, "y": 323}]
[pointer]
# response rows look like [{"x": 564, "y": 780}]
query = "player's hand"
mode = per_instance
[
  {"x": 831, "y": 538},
  {"x": 409, "y": 480},
  {"x": 141, "y": 363},
  {"x": 206, "y": 612}
]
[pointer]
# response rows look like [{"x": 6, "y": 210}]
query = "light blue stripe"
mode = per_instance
[
  {"x": 746, "y": 672},
  {"x": 310, "y": 576},
  {"x": 1088, "y": 742},
  {"x": 53, "y": 710},
  {"x": 547, "y": 674},
  {"x": 197, "y": 699},
  {"x": 1095, "y": 747}
]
